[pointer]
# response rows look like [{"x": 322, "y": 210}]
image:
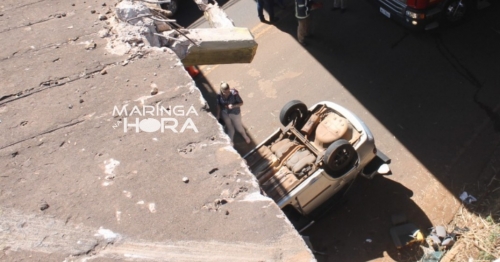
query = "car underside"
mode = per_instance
[{"x": 317, "y": 153}]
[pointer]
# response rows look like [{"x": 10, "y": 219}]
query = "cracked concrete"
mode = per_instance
[{"x": 77, "y": 177}]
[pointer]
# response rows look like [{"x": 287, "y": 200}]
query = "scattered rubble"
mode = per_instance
[
  {"x": 90, "y": 45},
  {"x": 154, "y": 89},
  {"x": 439, "y": 242},
  {"x": 466, "y": 198},
  {"x": 139, "y": 25},
  {"x": 152, "y": 207},
  {"x": 43, "y": 205}
]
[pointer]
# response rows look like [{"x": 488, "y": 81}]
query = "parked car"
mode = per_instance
[
  {"x": 319, "y": 151},
  {"x": 172, "y": 6},
  {"x": 427, "y": 14}
]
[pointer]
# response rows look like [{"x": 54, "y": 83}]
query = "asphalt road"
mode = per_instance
[{"x": 432, "y": 101}]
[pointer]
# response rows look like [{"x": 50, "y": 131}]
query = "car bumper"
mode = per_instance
[{"x": 409, "y": 17}]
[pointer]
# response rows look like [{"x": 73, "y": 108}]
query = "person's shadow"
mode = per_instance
[{"x": 358, "y": 230}]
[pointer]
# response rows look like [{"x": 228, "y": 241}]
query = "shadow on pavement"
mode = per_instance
[
  {"x": 436, "y": 93},
  {"x": 433, "y": 91},
  {"x": 367, "y": 235}
]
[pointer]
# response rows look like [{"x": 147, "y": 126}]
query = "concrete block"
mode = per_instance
[{"x": 221, "y": 46}]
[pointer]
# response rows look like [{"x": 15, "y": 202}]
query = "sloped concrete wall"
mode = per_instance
[{"x": 87, "y": 172}]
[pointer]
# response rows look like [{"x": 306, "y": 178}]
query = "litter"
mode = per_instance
[
  {"x": 466, "y": 198},
  {"x": 439, "y": 241},
  {"x": 438, "y": 235},
  {"x": 435, "y": 239},
  {"x": 448, "y": 242},
  {"x": 432, "y": 256},
  {"x": 440, "y": 231}
]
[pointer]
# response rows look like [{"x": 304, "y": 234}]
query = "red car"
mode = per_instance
[{"x": 428, "y": 14}]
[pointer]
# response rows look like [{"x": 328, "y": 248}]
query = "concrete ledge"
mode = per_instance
[
  {"x": 221, "y": 46},
  {"x": 80, "y": 181}
]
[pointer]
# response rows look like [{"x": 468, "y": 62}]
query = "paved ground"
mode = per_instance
[
  {"x": 78, "y": 182},
  {"x": 431, "y": 100}
]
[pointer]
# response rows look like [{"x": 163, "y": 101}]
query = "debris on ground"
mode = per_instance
[
  {"x": 439, "y": 241},
  {"x": 90, "y": 45},
  {"x": 154, "y": 89},
  {"x": 43, "y": 205},
  {"x": 139, "y": 25},
  {"x": 404, "y": 233},
  {"x": 466, "y": 198}
]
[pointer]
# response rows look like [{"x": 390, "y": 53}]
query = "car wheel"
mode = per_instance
[
  {"x": 456, "y": 10},
  {"x": 294, "y": 110},
  {"x": 339, "y": 155},
  {"x": 172, "y": 6}
]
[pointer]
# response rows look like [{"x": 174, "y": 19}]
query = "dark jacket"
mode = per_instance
[
  {"x": 233, "y": 98},
  {"x": 302, "y": 8}
]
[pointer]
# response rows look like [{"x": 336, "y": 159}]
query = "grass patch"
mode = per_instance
[{"x": 481, "y": 239}]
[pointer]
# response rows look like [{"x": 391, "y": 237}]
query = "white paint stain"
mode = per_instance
[
  {"x": 118, "y": 215},
  {"x": 107, "y": 183},
  {"x": 110, "y": 165},
  {"x": 143, "y": 99},
  {"x": 152, "y": 207},
  {"x": 255, "y": 196},
  {"x": 134, "y": 256},
  {"x": 106, "y": 234},
  {"x": 127, "y": 193}
]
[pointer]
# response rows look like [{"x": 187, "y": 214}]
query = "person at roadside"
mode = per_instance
[
  {"x": 303, "y": 9},
  {"x": 270, "y": 10},
  {"x": 339, "y": 4},
  {"x": 228, "y": 108}
]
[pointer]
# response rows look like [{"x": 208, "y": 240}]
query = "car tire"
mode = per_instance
[
  {"x": 294, "y": 110},
  {"x": 173, "y": 6},
  {"x": 340, "y": 155},
  {"x": 455, "y": 11}
]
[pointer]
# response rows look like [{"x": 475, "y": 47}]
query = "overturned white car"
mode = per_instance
[{"x": 318, "y": 152}]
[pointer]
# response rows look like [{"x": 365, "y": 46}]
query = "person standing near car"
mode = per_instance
[
  {"x": 228, "y": 107},
  {"x": 270, "y": 9},
  {"x": 303, "y": 9},
  {"x": 339, "y": 4}
]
